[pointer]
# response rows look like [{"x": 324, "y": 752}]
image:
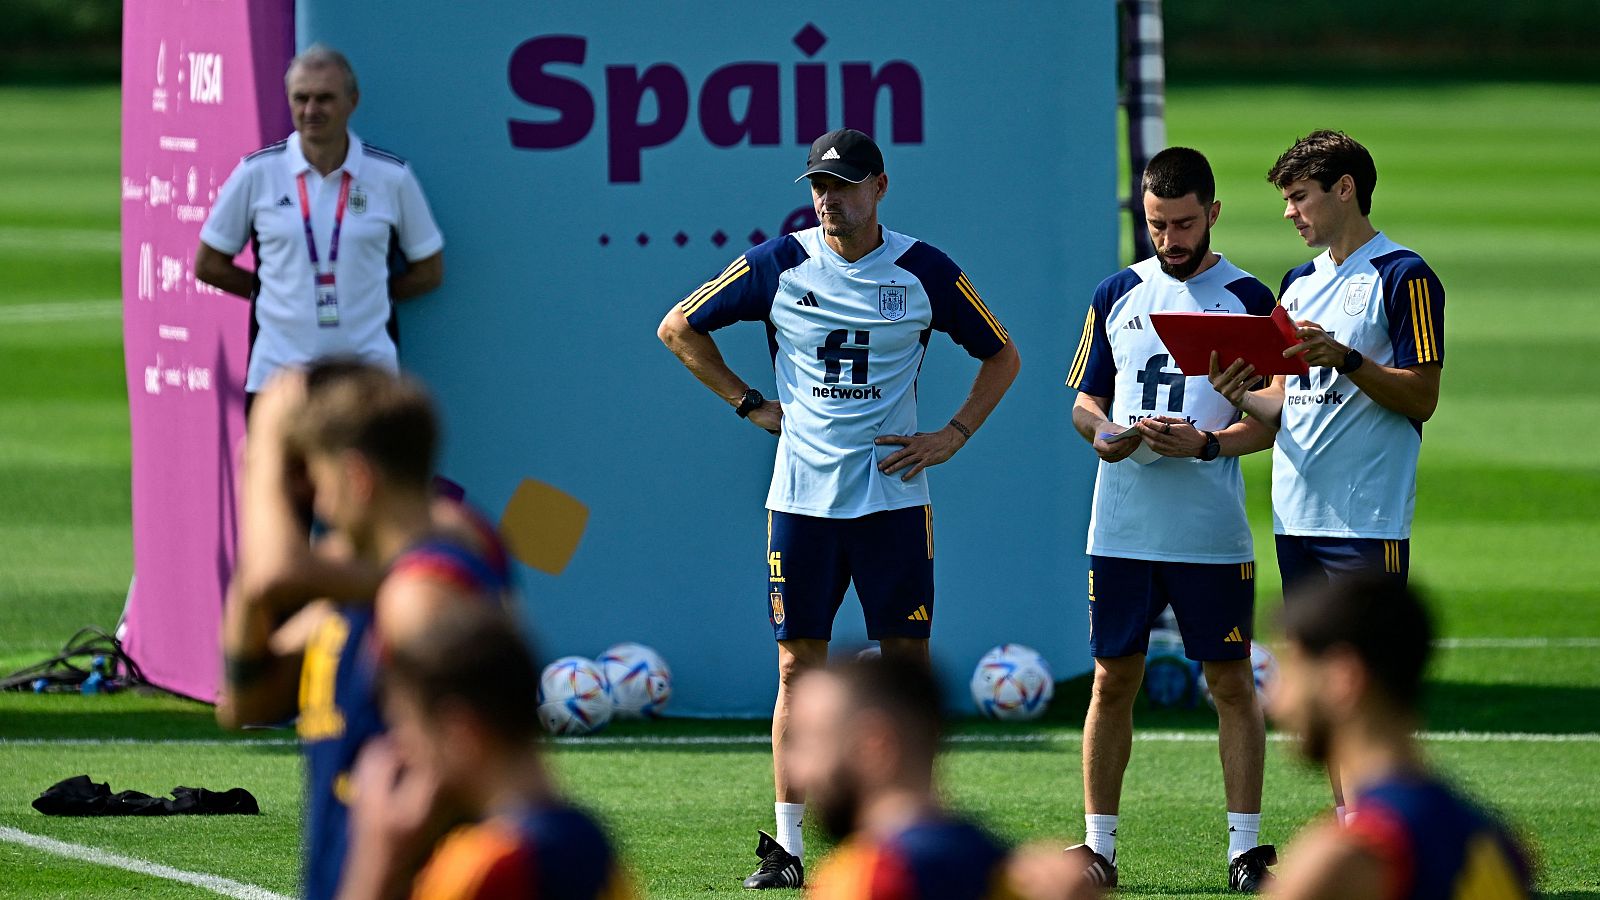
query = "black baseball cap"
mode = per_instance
[{"x": 846, "y": 153}]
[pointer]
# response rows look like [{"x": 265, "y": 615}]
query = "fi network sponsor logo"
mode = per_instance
[{"x": 644, "y": 106}]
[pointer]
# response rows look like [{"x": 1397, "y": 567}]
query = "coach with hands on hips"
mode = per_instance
[{"x": 322, "y": 209}]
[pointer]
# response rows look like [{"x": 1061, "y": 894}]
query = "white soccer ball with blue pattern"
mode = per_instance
[
  {"x": 1169, "y": 676},
  {"x": 639, "y": 679},
  {"x": 1263, "y": 665},
  {"x": 1012, "y": 683},
  {"x": 574, "y": 697}
]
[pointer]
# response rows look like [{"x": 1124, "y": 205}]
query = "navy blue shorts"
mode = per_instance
[
  {"x": 1307, "y": 562},
  {"x": 811, "y": 561},
  {"x": 1214, "y": 603}
]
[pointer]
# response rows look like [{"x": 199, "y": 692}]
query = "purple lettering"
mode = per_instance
[
  {"x": 627, "y": 137},
  {"x": 802, "y": 218},
  {"x": 861, "y": 89},
  {"x": 569, "y": 98},
  {"x": 810, "y": 102},
  {"x": 760, "y": 121}
]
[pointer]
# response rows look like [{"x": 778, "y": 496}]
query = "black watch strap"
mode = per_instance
[
  {"x": 1212, "y": 449},
  {"x": 749, "y": 403},
  {"x": 1352, "y": 362}
]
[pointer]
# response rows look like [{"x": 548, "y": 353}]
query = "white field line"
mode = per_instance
[
  {"x": 761, "y": 740},
  {"x": 33, "y": 313},
  {"x": 1528, "y": 643},
  {"x": 215, "y": 884},
  {"x": 35, "y": 240}
]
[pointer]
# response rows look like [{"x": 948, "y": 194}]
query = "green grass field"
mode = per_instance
[{"x": 1488, "y": 182}]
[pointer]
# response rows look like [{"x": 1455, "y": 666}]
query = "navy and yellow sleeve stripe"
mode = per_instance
[
  {"x": 737, "y": 269},
  {"x": 1423, "y": 330},
  {"x": 1080, "y": 360},
  {"x": 971, "y": 293}
]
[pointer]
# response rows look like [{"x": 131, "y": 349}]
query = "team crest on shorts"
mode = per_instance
[
  {"x": 1356, "y": 296},
  {"x": 892, "y": 301},
  {"x": 358, "y": 201},
  {"x": 777, "y": 608}
]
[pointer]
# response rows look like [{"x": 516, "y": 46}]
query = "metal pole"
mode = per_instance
[{"x": 1144, "y": 88}]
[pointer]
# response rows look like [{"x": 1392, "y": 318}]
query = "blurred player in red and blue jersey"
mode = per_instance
[
  {"x": 463, "y": 739},
  {"x": 864, "y": 736},
  {"x": 1350, "y": 684},
  {"x": 393, "y": 556}
]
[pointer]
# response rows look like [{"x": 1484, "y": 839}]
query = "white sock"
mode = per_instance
[
  {"x": 1244, "y": 833},
  {"x": 789, "y": 827},
  {"x": 1338, "y": 814},
  {"x": 1100, "y": 833}
]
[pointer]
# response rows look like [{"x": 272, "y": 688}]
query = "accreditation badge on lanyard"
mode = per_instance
[{"x": 327, "y": 294}]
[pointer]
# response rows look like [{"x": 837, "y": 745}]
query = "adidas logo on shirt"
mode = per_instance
[
  {"x": 285, "y": 201},
  {"x": 831, "y": 154},
  {"x": 1134, "y": 324},
  {"x": 810, "y": 299}
]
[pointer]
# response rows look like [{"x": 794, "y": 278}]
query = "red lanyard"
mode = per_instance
[{"x": 338, "y": 220}]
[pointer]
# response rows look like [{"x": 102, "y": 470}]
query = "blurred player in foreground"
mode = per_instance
[
  {"x": 393, "y": 557},
  {"x": 463, "y": 737},
  {"x": 864, "y": 737},
  {"x": 1350, "y": 684},
  {"x": 1168, "y": 525}
]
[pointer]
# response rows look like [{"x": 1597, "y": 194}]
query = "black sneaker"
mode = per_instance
[
  {"x": 779, "y": 868},
  {"x": 1097, "y": 870},
  {"x": 1248, "y": 873}
]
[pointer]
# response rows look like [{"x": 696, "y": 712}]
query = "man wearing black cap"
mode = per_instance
[{"x": 849, "y": 307}]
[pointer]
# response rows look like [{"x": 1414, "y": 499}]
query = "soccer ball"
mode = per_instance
[
  {"x": 1012, "y": 683},
  {"x": 1262, "y": 664},
  {"x": 573, "y": 697},
  {"x": 639, "y": 679},
  {"x": 1169, "y": 677}
]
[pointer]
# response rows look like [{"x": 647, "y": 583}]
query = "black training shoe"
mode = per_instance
[
  {"x": 1097, "y": 870},
  {"x": 779, "y": 868},
  {"x": 1248, "y": 873}
]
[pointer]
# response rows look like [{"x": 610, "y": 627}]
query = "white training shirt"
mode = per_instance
[
  {"x": 260, "y": 202},
  {"x": 1343, "y": 466},
  {"x": 847, "y": 340},
  {"x": 1171, "y": 510}
]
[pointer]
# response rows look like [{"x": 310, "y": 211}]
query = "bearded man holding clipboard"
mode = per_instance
[{"x": 1168, "y": 525}]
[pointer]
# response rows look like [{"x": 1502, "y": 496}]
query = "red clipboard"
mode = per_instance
[{"x": 1258, "y": 340}]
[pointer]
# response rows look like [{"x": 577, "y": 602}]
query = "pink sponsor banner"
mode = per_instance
[{"x": 201, "y": 87}]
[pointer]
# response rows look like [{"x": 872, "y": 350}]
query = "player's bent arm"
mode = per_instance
[
  {"x": 924, "y": 449},
  {"x": 1412, "y": 392},
  {"x": 995, "y": 376},
  {"x": 1089, "y": 416},
  {"x": 261, "y": 663},
  {"x": 1246, "y": 436},
  {"x": 699, "y": 354},
  {"x": 419, "y": 278},
  {"x": 217, "y": 269},
  {"x": 1326, "y": 865}
]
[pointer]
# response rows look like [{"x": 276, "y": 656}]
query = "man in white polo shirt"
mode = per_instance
[{"x": 324, "y": 213}]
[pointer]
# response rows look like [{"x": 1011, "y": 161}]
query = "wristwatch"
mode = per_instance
[
  {"x": 1212, "y": 449},
  {"x": 1352, "y": 362},
  {"x": 749, "y": 403}
]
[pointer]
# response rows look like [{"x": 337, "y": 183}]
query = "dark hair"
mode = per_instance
[
  {"x": 472, "y": 654},
  {"x": 1179, "y": 171},
  {"x": 1328, "y": 156},
  {"x": 387, "y": 418},
  {"x": 905, "y": 690},
  {"x": 1383, "y": 621}
]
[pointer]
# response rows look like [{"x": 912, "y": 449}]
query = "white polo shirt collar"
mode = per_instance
[{"x": 294, "y": 159}]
